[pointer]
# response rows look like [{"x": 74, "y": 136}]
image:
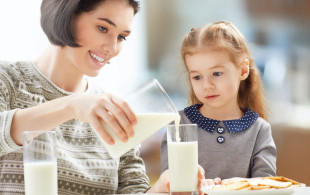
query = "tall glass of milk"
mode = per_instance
[
  {"x": 183, "y": 158},
  {"x": 40, "y": 162},
  {"x": 153, "y": 108}
]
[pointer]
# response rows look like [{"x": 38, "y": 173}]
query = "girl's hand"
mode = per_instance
[
  {"x": 212, "y": 182},
  {"x": 162, "y": 185},
  {"x": 201, "y": 178},
  {"x": 98, "y": 108},
  {"x": 234, "y": 179}
]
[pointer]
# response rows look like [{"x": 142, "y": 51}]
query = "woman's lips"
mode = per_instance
[
  {"x": 211, "y": 97},
  {"x": 98, "y": 60}
]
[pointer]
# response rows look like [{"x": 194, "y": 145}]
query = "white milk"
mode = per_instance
[
  {"x": 147, "y": 125},
  {"x": 177, "y": 131},
  {"x": 40, "y": 178},
  {"x": 183, "y": 156}
]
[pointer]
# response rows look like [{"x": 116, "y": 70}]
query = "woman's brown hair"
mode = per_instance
[
  {"x": 223, "y": 35},
  {"x": 56, "y": 17}
]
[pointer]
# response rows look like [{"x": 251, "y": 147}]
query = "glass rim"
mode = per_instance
[{"x": 183, "y": 125}]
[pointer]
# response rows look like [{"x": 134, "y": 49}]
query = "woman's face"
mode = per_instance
[{"x": 100, "y": 33}]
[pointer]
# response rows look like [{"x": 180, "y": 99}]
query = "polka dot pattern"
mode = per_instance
[
  {"x": 233, "y": 126},
  {"x": 196, "y": 117}
]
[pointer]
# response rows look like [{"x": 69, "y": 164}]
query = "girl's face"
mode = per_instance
[
  {"x": 100, "y": 33},
  {"x": 215, "y": 78}
]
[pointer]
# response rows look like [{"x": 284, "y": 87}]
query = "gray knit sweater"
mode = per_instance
[
  {"x": 84, "y": 166},
  {"x": 236, "y": 148}
]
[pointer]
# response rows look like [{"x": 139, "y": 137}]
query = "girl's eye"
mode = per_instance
[
  {"x": 197, "y": 77},
  {"x": 217, "y": 74},
  {"x": 102, "y": 29},
  {"x": 121, "y": 38}
]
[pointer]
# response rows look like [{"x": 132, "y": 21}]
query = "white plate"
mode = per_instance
[{"x": 251, "y": 192}]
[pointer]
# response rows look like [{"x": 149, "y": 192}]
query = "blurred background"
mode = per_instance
[{"x": 278, "y": 33}]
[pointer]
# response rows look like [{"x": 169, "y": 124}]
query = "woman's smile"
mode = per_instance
[{"x": 99, "y": 59}]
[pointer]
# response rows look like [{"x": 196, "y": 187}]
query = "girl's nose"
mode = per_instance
[{"x": 209, "y": 84}]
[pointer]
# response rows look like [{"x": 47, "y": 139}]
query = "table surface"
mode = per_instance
[{"x": 301, "y": 191}]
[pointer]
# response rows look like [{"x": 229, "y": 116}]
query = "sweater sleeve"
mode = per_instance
[
  {"x": 7, "y": 145},
  {"x": 132, "y": 176},
  {"x": 264, "y": 154}
]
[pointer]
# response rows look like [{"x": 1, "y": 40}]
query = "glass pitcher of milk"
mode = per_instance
[
  {"x": 153, "y": 108},
  {"x": 40, "y": 162}
]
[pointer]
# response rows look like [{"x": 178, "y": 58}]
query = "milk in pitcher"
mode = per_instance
[{"x": 147, "y": 125}]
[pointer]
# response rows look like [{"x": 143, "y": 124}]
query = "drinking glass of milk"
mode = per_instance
[
  {"x": 40, "y": 163},
  {"x": 153, "y": 108},
  {"x": 183, "y": 158}
]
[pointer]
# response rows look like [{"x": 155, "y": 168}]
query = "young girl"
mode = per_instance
[{"x": 227, "y": 104}]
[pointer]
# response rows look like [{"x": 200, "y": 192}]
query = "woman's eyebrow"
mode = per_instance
[
  {"x": 112, "y": 23},
  {"x": 108, "y": 21}
]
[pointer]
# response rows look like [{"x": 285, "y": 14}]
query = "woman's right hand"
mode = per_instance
[{"x": 98, "y": 108}]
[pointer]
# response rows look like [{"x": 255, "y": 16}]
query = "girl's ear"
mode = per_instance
[{"x": 245, "y": 68}]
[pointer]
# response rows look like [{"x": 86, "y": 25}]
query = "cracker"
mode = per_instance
[
  {"x": 232, "y": 186},
  {"x": 274, "y": 183},
  {"x": 256, "y": 188},
  {"x": 258, "y": 183},
  {"x": 281, "y": 178}
]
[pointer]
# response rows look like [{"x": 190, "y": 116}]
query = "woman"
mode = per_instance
[{"x": 51, "y": 93}]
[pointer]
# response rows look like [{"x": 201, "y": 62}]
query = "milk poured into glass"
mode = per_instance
[
  {"x": 40, "y": 178},
  {"x": 148, "y": 124},
  {"x": 183, "y": 160},
  {"x": 183, "y": 166}
]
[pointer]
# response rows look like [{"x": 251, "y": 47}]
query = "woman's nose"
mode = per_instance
[{"x": 111, "y": 47}]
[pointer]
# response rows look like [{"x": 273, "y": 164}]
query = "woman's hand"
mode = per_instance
[
  {"x": 94, "y": 109},
  {"x": 98, "y": 108},
  {"x": 162, "y": 185}
]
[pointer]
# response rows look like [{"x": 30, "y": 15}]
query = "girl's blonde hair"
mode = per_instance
[{"x": 224, "y": 36}]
